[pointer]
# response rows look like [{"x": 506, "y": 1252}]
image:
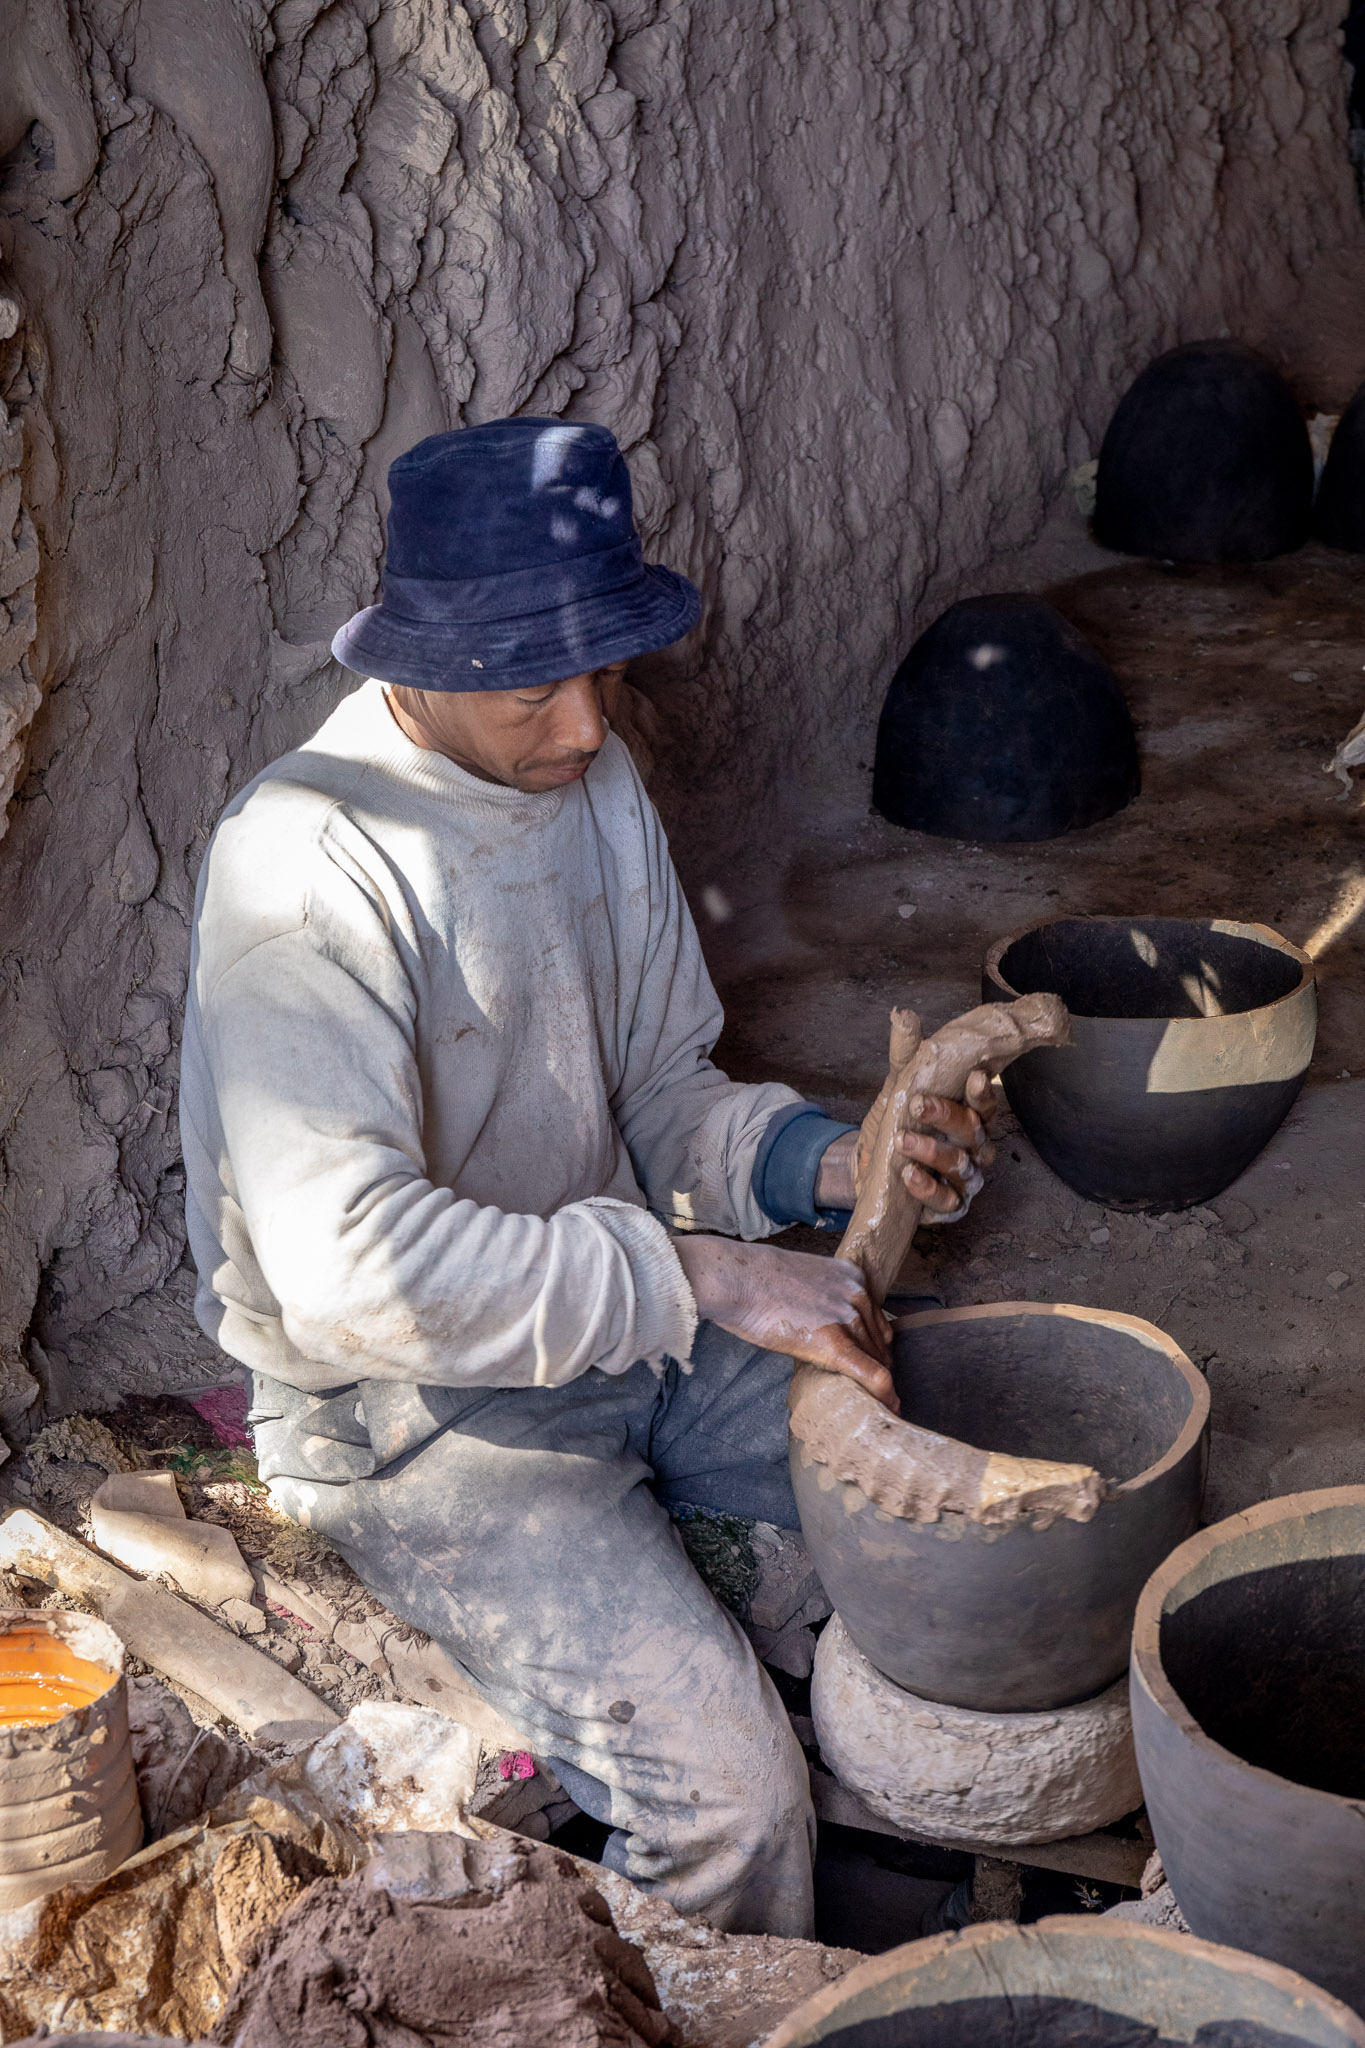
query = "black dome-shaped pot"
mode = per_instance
[
  {"x": 1072, "y": 1982},
  {"x": 1339, "y": 514},
  {"x": 1207, "y": 459},
  {"x": 1018, "y": 1617},
  {"x": 1190, "y": 1038},
  {"x": 1003, "y": 723},
  {"x": 1248, "y": 1697}
]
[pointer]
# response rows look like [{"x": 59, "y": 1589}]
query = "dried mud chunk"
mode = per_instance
[{"x": 536, "y": 1964}]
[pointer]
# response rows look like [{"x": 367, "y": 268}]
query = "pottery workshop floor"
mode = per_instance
[{"x": 1241, "y": 681}]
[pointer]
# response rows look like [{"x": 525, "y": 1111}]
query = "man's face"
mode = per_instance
[{"x": 532, "y": 740}]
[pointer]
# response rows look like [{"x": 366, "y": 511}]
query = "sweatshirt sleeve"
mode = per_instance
[
  {"x": 694, "y": 1136},
  {"x": 308, "y": 1037}
]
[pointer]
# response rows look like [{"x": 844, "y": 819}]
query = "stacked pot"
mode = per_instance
[{"x": 971, "y": 1684}]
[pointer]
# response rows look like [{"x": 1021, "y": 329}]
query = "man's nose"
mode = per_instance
[{"x": 579, "y": 726}]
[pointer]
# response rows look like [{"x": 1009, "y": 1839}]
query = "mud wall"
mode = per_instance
[{"x": 853, "y": 280}]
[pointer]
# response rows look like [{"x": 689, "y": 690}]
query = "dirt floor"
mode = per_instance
[{"x": 1241, "y": 681}]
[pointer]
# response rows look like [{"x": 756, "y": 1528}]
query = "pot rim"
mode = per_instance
[
  {"x": 1191, "y": 1430},
  {"x": 1147, "y": 1668},
  {"x": 793, "y": 2030},
  {"x": 1263, "y": 934}
]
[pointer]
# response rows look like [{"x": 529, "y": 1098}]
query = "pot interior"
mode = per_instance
[
  {"x": 1149, "y": 967},
  {"x": 1271, "y": 1664},
  {"x": 1043, "y": 1386},
  {"x": 1018, "y": 2019}
]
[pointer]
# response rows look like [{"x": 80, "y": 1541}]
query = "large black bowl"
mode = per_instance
[
  {"x": 1190, "y": 1038},
  {"x": 1003, "y": 723},
  {"x": 1207, "y": 459}
]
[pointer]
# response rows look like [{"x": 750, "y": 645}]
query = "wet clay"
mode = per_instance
[
  {"x": 533, "y": 1961},
  {"x": 905, "y": 1469},
  {"x": 41, "y": 1678}
]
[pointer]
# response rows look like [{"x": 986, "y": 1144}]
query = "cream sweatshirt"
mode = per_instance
[{"x": 446, "y": 1083}]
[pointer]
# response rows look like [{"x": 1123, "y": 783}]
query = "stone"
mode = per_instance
[
  {"x": 388, "y": 1768},
  {"x": 957, "y": 1775},
  {"x": 246, "y": 1619},
  {"x": 1336, "y": 1281}
]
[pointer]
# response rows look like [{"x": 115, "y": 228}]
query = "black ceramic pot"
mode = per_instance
[
  {"x": 1019, "y": 1617},
  {"x": 1190, "y": 1038},
  {"x": 1248, "y": 1696},
  {"x": 1003, "y": 723},
  {"x": 1068, "y": 1982},
  {"x": 1339, "y": 513},
  {"x": 1207, "y": 459}
]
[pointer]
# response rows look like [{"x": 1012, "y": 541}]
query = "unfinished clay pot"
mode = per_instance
[
  {"x": 1003, "y": 723},
  {"x": 1190, "y": 1038},
  {"x": 69, "y": 1811},
  {"x": 1063, "y": 1982},
  {"x": 1207, "y": 459},
  {"x": 1339, "y": 512},
  {"x": 1248, "y": 1700},
  {"x": 1034, "y": 1610}
]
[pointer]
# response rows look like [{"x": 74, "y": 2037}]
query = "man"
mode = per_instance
[{"x": 456, "y": 1152}]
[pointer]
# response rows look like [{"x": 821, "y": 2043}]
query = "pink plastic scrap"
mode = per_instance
[
  {"x": 224, "y": 1409},
  {"x": 516, "y": 1763}
]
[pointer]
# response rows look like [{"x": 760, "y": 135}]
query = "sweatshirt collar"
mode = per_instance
[{"x": 381, "y": 741}]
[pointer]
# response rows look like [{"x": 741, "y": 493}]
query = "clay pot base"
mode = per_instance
[
  {"x": 960, "y": 1776},
  {"x": 1066, "y": 1981},
  {"x": 1248, "y": 1691}
]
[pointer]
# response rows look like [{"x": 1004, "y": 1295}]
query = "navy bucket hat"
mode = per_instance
[{"x": 513, "y": 560}]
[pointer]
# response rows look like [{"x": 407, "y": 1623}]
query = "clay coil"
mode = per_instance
[{"x": 907, "y": 1470}]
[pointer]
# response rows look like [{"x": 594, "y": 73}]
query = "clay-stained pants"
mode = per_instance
[{"x": 530, "y": 1537}]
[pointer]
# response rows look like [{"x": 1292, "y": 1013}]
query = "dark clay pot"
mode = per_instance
[
  {"x": 1157, "y": 1104},
  {"x": 1003, "y": 723},
  {"x": 1339, "y": 514},
  {"x": 1069, "y": 1982},
  {"x": 1017, "y": 1617},
  {"x": 1248, "y": 1696},
  {"x": 1207, "y": 459}
]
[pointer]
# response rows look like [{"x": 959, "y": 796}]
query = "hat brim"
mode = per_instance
[{"x": 510, "y": 654}]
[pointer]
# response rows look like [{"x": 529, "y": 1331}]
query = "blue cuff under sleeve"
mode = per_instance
[{"x": 787, "y": 1161}]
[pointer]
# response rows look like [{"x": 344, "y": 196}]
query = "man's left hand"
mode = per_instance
[{"x": 945, "y": 1162}]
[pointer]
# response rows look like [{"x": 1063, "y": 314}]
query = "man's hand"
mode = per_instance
[
  {"x": 946, "y": 1169},
  {"x": 809, "y": 1307}
]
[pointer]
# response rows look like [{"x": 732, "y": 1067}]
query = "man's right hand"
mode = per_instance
[{"x": 809, "y": 1307}]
